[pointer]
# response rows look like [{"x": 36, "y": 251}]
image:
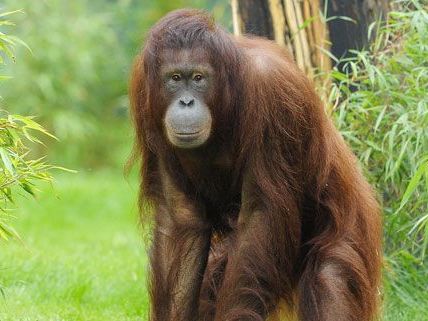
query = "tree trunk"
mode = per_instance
[
  {"x": 346, "y": 35},
  {"x": 300, "y": 25}
]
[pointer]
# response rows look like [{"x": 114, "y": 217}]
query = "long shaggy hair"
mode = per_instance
[{"x": 318, "y": 246}]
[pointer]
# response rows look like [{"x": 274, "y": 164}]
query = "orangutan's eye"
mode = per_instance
[
  {"x": 197, "y": 77},
  {"x": 176, "y": 77}
]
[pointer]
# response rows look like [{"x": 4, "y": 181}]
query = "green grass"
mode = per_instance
[
  {"x": 396, "y": 309},
  {"x": 83, "y": 257}
]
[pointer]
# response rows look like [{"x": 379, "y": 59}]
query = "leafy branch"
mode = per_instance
[{"x": 18, "y": 171}]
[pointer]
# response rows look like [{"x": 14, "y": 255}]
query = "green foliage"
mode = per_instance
[
  {"x": 76, "y": 79},
  {"x": 17, "y": 170},
  {"x": 381, "y": 107}
]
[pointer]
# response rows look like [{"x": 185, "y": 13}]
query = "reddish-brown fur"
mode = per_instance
[{"x": 273, "y": 208}]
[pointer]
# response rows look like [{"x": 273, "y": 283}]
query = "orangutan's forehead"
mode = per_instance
[{"x": 192, "y": 56}]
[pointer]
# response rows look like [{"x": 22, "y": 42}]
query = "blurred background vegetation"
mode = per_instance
[
  {"x": 81, "y": 256},
  {"x": 75, "y": 78}
]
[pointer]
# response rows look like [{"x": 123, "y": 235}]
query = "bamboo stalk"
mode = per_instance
[
  {"x": 292, "y": 24},
  {"x": 301, "y": 33},
  {"x": 278, "y": 21},
  {"x": 237, "y": 21},
  {"x": 287, "y": 18}
]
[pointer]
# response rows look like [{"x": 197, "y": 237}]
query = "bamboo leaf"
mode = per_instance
[
  {"x": 6, "y": 161},
  {"x": 411, "y": 187}
]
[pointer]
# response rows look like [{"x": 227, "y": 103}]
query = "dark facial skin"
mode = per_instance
[{"x": 187, "y": 82}]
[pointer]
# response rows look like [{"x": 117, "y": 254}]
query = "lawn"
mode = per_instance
[
  {"x": 83, "y": 259},
  {"x": 82, "y": 256}
]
